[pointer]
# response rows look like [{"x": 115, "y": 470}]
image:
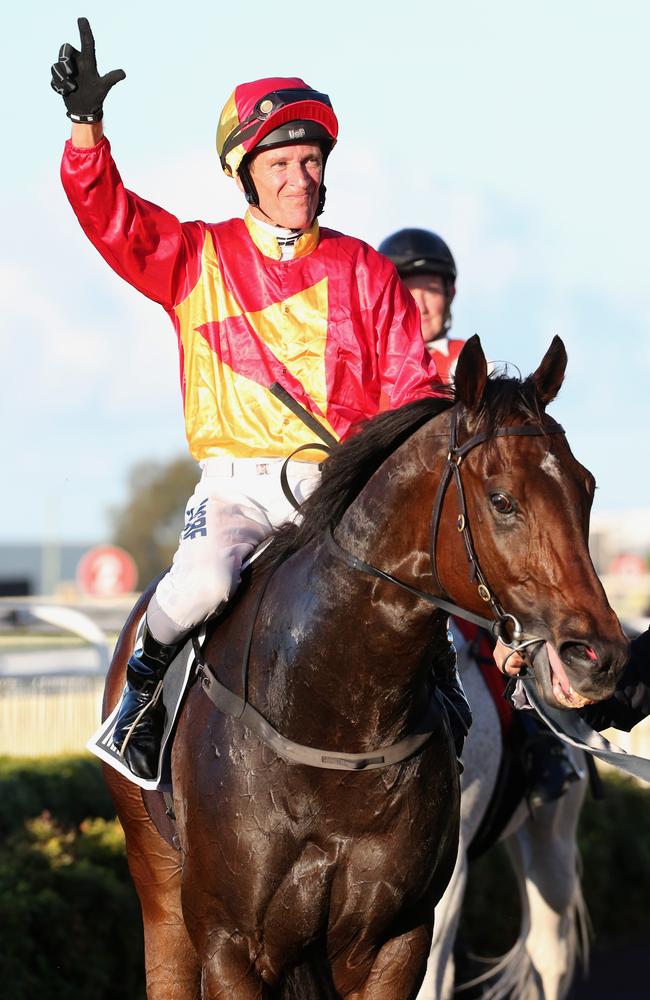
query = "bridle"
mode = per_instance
[{"x": 503, "y": 626}]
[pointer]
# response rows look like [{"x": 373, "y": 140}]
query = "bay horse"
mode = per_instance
[
  {"x": 313, "y": 882},
  {"x": 541, "y": 843}
]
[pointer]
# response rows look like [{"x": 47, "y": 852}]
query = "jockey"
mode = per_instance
[
  {"x": 256, "y": 302},
  {"x": 425, "y": 264}
]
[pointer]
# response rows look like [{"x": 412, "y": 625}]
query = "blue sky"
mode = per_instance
[{"x": 517, "y": 130}]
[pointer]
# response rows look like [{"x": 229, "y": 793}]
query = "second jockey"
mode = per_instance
[
  {"x": 255, "y": 302},
  {"x": 426, "y": 266}
]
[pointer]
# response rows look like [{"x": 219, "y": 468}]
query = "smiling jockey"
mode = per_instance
[
  {"x": 268, "y": 299},
  {"x": 426, "y": 265}
]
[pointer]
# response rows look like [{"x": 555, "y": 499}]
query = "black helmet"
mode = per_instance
[{"x": 419, "y": 251}]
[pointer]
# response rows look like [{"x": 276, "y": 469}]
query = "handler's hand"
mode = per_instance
[
  {"x": 514, "y": 664},
  {"x": 76, "y": 78}
]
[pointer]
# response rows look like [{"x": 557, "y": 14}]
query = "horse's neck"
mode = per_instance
[
  {"x": 358, "y": 651},
  {"x": 389, "y": 523},
  {"x": 351, "y": 659}
]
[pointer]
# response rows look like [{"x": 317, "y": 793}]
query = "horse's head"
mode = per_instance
[{"x": 527, "y": 518}]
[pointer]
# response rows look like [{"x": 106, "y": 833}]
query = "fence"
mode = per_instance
[
  {"x": 50, "y": 688},
  {"x": 48, "y": 715}
]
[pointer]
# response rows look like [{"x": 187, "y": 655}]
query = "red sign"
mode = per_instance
[
  {"x": 628, "y": 564},
  {"x": 106, "y": 571}
]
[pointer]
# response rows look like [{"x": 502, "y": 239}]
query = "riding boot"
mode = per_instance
[
  {"x": 141, "y": 718},
  {"x": 449, "y": 682},
  {"x": 548, "y": 770}
]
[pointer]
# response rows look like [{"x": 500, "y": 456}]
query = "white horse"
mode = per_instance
[{"x": 542, "y": 848}]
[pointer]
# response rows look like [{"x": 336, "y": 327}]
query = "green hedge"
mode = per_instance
[
  {"x": 70, "y": 924},
  {"x": 71, "y": 788},
  {"x": 69, "y": 917}
]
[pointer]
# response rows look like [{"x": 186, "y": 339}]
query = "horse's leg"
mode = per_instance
[
  {"x": 394, "y": 970},
  {"x": 438, "y": 983},
  {"x": 229, "y": 973},
  {"x": 397, "y": 971},
  {"x": 545, "y": 857},
  {"x": 481, "y": 759},
  {"x": 172, "y": 966}
]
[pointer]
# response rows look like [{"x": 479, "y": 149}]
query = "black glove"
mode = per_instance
[{"x": 75, "y": 77}]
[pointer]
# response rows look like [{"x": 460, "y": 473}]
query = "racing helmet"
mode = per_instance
[
  {"x": 419, "y": 251},
  {"x": 276, "y": 111}
]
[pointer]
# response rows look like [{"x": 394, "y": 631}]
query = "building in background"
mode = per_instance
[{"x": 30, "y": 569}]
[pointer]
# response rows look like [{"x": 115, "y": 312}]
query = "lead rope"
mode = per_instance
[{"x": 571, "y": 728}]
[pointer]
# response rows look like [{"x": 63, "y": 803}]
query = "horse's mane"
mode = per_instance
[{"x": 347, "y": 470}]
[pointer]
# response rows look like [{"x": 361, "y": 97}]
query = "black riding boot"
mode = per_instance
[
  {"x": 141, "y": 719},
  {"x": 450, "y": 684},
  {"x": 548, "y": 770}
]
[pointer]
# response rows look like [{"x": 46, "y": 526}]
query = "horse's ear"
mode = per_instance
[
  {"x": 550, "y": 374},
  {"x": 471, "y": 374}
]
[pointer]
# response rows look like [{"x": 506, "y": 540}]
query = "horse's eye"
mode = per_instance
[{"x": 501, "y": 503}]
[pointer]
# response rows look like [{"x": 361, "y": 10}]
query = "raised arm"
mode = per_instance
[
  {"x": 76, "y": 78},
  {"x": 144, "y": 244}
]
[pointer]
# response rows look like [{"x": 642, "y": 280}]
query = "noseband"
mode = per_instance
[{"x": 504, "y": 626}]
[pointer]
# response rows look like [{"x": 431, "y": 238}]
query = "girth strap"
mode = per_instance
[{"x": 296, "y": 753}]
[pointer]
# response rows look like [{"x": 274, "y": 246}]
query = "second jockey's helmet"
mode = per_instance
[
  {"x": 419, "y": 251},
  {"x": 276, "y": 111}
]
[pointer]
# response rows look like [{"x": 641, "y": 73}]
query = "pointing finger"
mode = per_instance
[{"x": 86, "y": 35}]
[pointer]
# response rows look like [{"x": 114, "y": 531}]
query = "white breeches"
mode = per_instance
[{"x": 235, "y": 506}]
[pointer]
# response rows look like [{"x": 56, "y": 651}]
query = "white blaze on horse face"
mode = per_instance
[{"x": 551, "y": 466}]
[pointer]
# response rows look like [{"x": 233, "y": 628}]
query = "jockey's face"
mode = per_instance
[
  {"x": 287, "y": 180},
  {"x": 434, "y": 302}
]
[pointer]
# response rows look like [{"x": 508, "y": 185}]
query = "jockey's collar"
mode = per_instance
[{"x": 270, "y": 239}]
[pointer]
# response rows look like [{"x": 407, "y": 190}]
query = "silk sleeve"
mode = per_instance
[
  {"x": 144, "y": 244},
  {"x": 407, "y": 370}
]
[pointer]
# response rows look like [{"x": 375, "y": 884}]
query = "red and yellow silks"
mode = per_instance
[{"x": 333, "y": 325}]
